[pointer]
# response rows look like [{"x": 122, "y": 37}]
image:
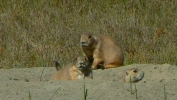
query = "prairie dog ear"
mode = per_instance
[{"x": 86, "y": 58}]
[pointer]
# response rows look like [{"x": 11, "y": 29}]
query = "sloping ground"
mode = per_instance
[{"x": 15, "y": 84}]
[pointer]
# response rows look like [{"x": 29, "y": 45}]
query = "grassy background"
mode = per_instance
[{"x": 37, "y": 32}]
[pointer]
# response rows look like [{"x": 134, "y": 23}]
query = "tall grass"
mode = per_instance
[
  {"x": 37, "y": 32},
  {"x": 85, "y": 90}
]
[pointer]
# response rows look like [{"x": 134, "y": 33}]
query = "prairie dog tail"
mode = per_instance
[{"x": 57, "y": 65}]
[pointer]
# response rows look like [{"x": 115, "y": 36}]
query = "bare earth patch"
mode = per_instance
[{"x": 106, "y": 84}]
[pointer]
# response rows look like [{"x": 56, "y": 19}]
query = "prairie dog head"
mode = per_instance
[
  {"x": 87, "y": 40},
  {"x": 81, "y": 62},
  {"x": 133, "y": 75}
]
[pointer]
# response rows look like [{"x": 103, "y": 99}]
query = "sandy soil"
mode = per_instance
[{"x": 15, "y": 84}]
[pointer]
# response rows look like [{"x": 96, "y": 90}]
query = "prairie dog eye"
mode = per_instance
[
  {"x": 135, "y": 71},
  {"x": 90, "y": 36},
  {"x": 76, "y": 59}
]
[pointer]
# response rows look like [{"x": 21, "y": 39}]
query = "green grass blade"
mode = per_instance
[{"x": 29, "y": 95}]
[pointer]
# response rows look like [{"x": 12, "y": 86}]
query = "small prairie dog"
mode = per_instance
[
  {"x": 102, "y": 50},
  {"x": 79, "y": 68},
  {"x": 132, "y": 75}
]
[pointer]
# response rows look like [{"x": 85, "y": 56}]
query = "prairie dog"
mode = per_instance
[
  {"x": 79, "y": 68},
  {"x": 133, "y": 74},
  {"x": 102, "y": 50}
]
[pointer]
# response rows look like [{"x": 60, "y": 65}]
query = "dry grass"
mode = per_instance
[{"x": 37, "y": 32}]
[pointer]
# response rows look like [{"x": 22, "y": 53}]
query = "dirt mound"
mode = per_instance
[{"x": 106, "y": 84}]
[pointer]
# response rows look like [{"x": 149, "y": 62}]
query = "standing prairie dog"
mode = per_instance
[
  {"x": 102, "y": 50},
  {"x": 75, "y": 70},
  {"x": 132, "y": 75}
]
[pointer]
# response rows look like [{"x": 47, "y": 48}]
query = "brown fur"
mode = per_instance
[
  {"x": 133, "y": 74},
  {"x": 75, "y": 70},
  {"x": 102, "y": 50}
]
